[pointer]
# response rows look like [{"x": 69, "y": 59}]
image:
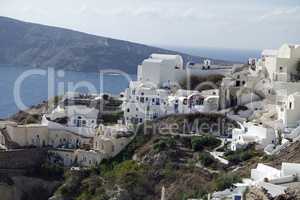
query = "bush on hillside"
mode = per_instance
[
  {"x": 164, "y": 144},
  {"x": 207, "y": 141},
  {"x": 206, "y": 159},
  {"x": 226, "y": 181},
  {"x": 241, "y": 155}
]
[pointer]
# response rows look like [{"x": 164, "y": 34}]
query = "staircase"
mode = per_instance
[{"x": 8, "y": 141}]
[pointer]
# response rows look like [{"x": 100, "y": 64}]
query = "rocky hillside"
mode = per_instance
[
  {"x": 28, "y": 44},
  {"x": 26, "y": 188},
  {"x": 152, "y": 161}
]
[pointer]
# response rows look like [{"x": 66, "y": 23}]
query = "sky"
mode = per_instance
[{"x": 242, "y": 24}]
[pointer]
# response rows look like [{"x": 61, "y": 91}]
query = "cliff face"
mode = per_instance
[
  {"x": 26, "y": 188},
  {"x": 28, "y": 44}
]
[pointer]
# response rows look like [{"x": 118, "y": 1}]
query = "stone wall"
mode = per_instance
[{"x": 22, "y": 159}]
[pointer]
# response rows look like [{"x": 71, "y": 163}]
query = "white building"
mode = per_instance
[
  {"x": 253, "y": 133},
  {"x": 156, "y": 92},
  {"x": 281, "y": 64},
  {"x": 289, "y": 111},
  {"x": 161, "y": 70},
  {"x": 111, "y": 140},
  {"x": 144, "y": 101},
  {"x": 289, "y": 172},
  {"x": 77, "y": 113}
]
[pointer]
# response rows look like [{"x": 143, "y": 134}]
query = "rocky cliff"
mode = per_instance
[{"x": 26, "y": 188}]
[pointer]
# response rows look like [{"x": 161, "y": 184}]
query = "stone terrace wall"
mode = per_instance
[{"x": 22, "y": 158}]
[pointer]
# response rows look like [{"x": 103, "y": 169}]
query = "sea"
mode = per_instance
[{"x": 23, "y": 87}]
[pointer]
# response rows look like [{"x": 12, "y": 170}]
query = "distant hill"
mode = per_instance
[{"x": 34, "y": 45}]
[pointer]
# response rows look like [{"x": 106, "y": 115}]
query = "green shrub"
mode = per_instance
[
  {"x": 206, "y": 159},
  {"x": 241, "y": 155},
  {"x": 207, "y": 141},
  {"x": 160, "y": 146},
  {"x": 51, "y": 171},
  {"x": 226, "y": 181},
  {"x": 164, "y": 144}
]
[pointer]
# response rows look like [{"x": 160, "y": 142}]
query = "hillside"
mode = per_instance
[{"x": 34, "y": 45}]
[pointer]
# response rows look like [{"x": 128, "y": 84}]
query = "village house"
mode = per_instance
[
  {"x": 281, "y": 64},
  {"x": 242, "y": 86},
  {"x": 289, "y": 111},
  {"x": 161, "y": 70},
  {"x": 111, "y": 140},
  {"x": 76, "y": 112},
  {"x": 40, "y": 135},
  {"x": 271, "y": 181},
  {"x": 253, "y": 133},
  {"x": 157, "y": 92},
  {"x": 72, "y": 132}
]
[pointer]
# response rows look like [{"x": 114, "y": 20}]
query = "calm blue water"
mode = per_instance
[{"x": 34, "y": 89}]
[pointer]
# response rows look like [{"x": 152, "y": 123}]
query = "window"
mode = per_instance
[
  {"x": 291, "y": 105},
  {"x": 142, "y": 99},
  {"x": 141, "y": 120},
  {"x": 128, "y": 110},
  {"x": 280, "y": 69},
  {"x": 147, "y": 99},
  {"x": 157, "y": 101},
  {"x": 142, "y": 93}
]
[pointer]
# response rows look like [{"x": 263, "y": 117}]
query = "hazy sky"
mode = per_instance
[{"x": 251, "y": 24}]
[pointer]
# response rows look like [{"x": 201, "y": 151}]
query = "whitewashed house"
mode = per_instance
[
  {"x": 289, "y": 111},
  {"x": 253, "y": 133},
  {"x": 144, "y": 101},
  {"x": 243, "y": 86},
  {"x": 156, "y": 92},
  {"x": 281, "y": 64},
  {"x": 161, "y": 70},
  {"x": 111, "y": 140},
  {"x": 77, "y": 113}
]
